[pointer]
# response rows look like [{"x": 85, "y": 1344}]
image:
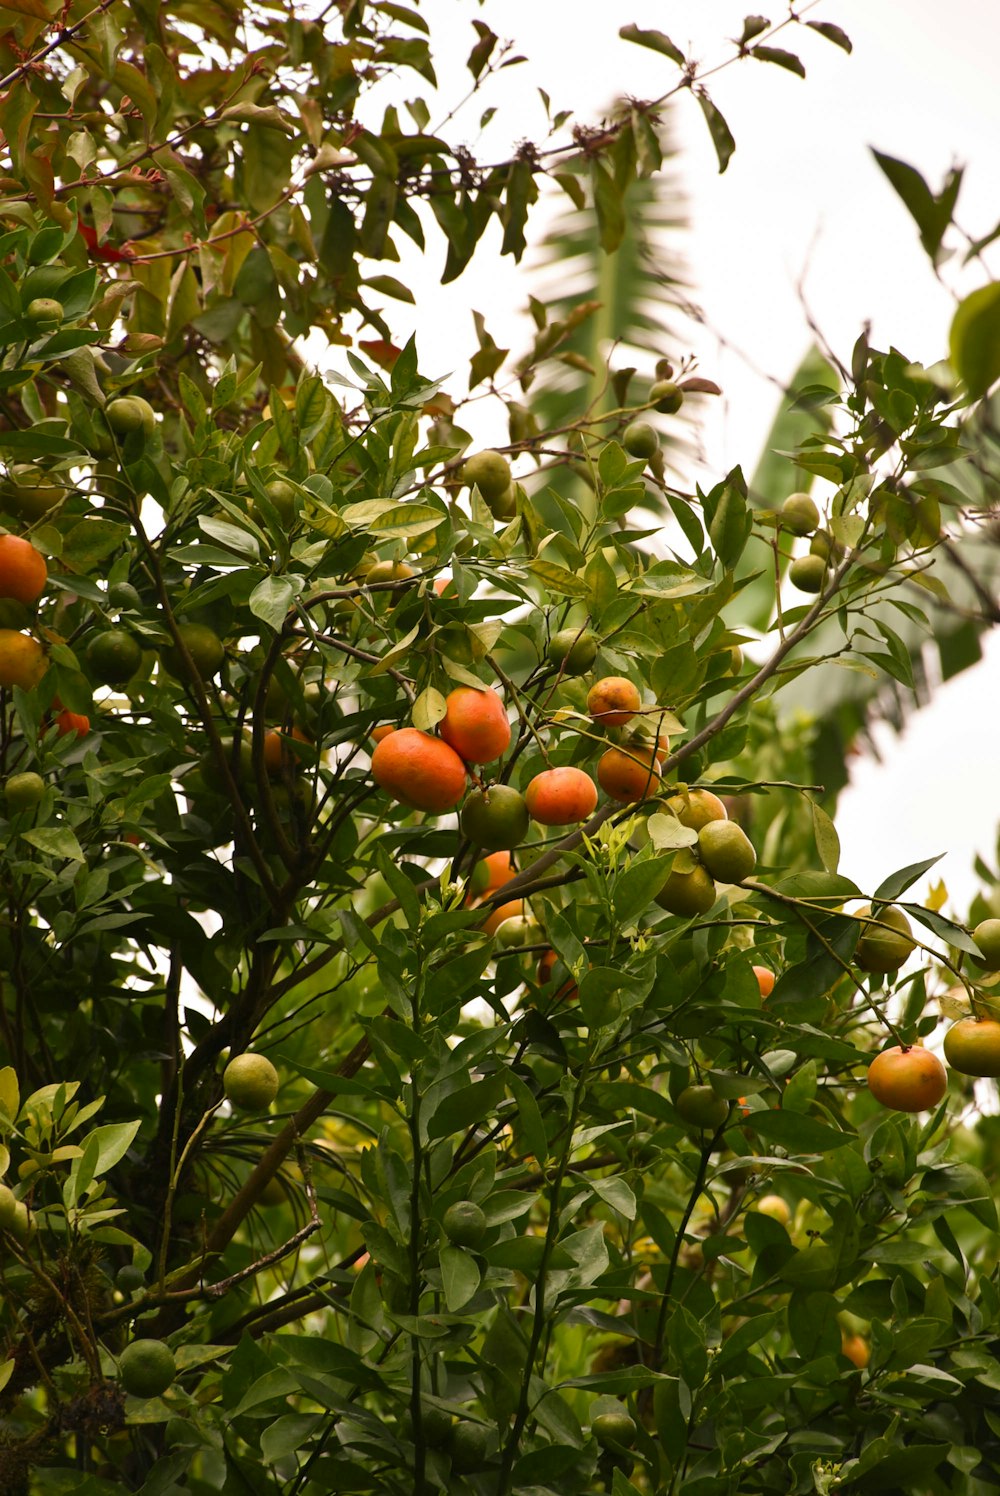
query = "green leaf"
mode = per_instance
[
  {"x": 637, "y": 886},
  {"x": 832, "y": 33},
  {"x": 532, "y": 1124},
  {"x": 271, "y": 599},
  {"x": 974, "y": 340},
  {"x": 608, "y": 205},
  {"x": 460, "y": 1276},
  {"x": 897, "y": 883},
  {"x": 113, "y": 1142},
  {"x": 720, "y": 132},
  {"x": 617, "y": 1194},
  {"x": 780, "y": 58},
  {"x": 931, "y": 214},
  {"x": 55, "y": 841},
  {"x": 827, "y": 840},
  {"x": 729, "y": 520},
  {"x": 795, "y": 1131},
  {"x": 656, "y": 41},
  {"x": 466, "y": 1107}
]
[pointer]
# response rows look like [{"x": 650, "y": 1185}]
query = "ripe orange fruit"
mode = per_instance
[
  {"x": 765, "y": 980},
  {"x": 695, "y": 808},
  {"x": 67, "y": 721},
  {"x": 856, "y": 1349},
  {"x": 277, "y": 755},
  {"x": 382, "y": 731},
  {"x": 513, "y": 910},
  {"x": 22, "y": 660},
  {"x": 419, "y": 770},
  {"x": 490, "y": 873},
  {"x": 613, "y": 701},
  {"x": 972, "y": 1046},
  {"x": 629, "y": 773},
  {"x": 561, "y": 797},
  {"x": 496, "y": 818},
  {"x": 475, "y": 724},
  {"x": 23, "y": 572},
  {"x": 907, "y": 1079}
]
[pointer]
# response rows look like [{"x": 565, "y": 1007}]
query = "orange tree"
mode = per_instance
[{"x": 437, "y": 1032}]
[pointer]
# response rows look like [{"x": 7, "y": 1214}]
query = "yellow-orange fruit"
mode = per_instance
[{"x": 419, "y": 770}]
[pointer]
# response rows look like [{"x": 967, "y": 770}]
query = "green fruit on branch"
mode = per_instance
[
  {"x": 31, "y": 492},
  {"x": 8, "y": 1207},
  {"x": 44, "y": 309},
  {"x": 130, "y": 413},
  {"x": 573, "y": 650},
  {"x": 972, "y": 1046},
  {"x": 202, "y": 644},
  {"x": 666, "y": 397},
  {"x": 987, "y": 937},
  {"x": 726, "y": 851},
  {"x": 614, "y": 1430},
  {"x": 496, "y": 818},
  {"x": 881, "y": 950},
  {"x": 808, "y": 573},
  {"x": 695, "y": 808},
  {"x": 488, "y": 471},
  {"x": 147, "y": 1368},
  {"x": 799, "y": 514},
  {"x": 465, "y": 1223},
  {"x": 687, "y": 894},
  {"x": 700, "y": 1106},
  {"x": 114, "y": 657},
  {"x": 640, "y": 440},
  {"x": 23, "y": 791},
  {"x": 469, "y": 1447},
  {"x": 250, "y": 1082},
  {"x": 517, "y": 931}
]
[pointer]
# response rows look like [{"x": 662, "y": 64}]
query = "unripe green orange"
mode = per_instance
[
  {"x": 883, "y": 950},
  {"x": 130, "y": 413},
  {"x": 147, "y": 1368},
  {"x": 489, "y": 471},
  {"x": 808, "y": 573},
  {"x": 666, "y": 397},
  {"x": 726, "y": 851},
  {"x": 250, "y": 1082},
  {"x": 573, "y": 650},
  {"x": 799, "y": 514},
  {"x": 465, "y": 1223},
  {"x": 44, "y": 309},
  {"x": 22, "y": 791},
  {"x": 640, "y": 440},
  {"x": 687, "y": 894},
  {"x": 987, "y": 937}
]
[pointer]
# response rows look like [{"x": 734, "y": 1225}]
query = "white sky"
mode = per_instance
[{"x": 801, "y": 195}]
